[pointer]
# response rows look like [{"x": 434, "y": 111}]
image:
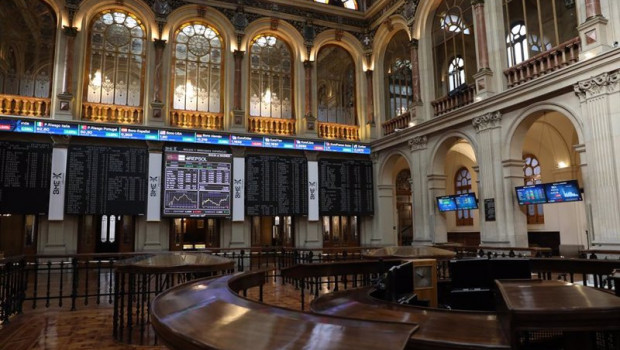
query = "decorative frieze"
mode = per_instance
[
  {"x": 595, "y": 86},
  {"x": 487, "y": 121},
  {"x": 418, "y": 143}
]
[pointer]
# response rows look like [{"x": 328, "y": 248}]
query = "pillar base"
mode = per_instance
[
  {"x": 593, "y": 35},
  {"x": 238, "y": 119},
  {"x": 65, "y": 106},
  {"x": 484, "y": 84},
  {"x": 158, "y": 112}
]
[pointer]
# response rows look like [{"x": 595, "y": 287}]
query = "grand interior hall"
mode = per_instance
[{"x": 210, "y": 174}]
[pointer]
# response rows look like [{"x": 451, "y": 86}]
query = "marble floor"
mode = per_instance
[{"x": 90, "y": 327}]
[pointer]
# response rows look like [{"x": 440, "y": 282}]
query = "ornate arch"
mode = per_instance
[{"x": 439, "y": 150}]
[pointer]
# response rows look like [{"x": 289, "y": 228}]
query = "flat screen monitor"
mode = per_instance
[
  {"x": 466, "y": 201},
  {"x": 565, "y": 191},
  {"x": 446, "y": 203},
  {"x": 531, "y": 194},
  {"x": 401, "y": 280}
]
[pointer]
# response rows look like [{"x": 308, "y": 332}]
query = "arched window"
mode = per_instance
[
  {"x": 462, "y": 184},
  {"x": 27, "y": 50},
  {"x": 456, "y": 73},
  {"x": 398, "y": 79},
  {"x": 116, "y": 56},
  {"x": 336, "y": 85},
  {"x": 271, "y": 78},
  {"x": 516, "y": 44},
  {"x": 454, "y": 45},
  {"x": 532, "y": 176},
  {"x": 349, "y": 4},
  {"x": 197, "y": 55},
  {"x": 533, "y": 27}
]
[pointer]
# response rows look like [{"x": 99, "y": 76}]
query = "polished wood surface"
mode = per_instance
[
  {"x": 176, "y": 262},
  {"x": 558, "y": 305},
  {"x": 410, "y": 252},
  {"x": 438, "y": 329},
  {"x": 208, "y": 315}
]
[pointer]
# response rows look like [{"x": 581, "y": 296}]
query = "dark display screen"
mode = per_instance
[
  {"x": 345, "y": 187},
  {"x": 106, "y": 180},
  {"x": 24, "y": 177},
  {"x": 276, "y": 185},
  {"x": 197, "y": 182},
  {"x": 466, "y": 201},
  {"x": 446, "y": 203},
  {"x": 565, "y": 191},
  {"x": 533, "y": 194}
]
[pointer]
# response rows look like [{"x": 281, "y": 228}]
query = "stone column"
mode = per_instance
[
  {"x": 597, "y": 95},
  {"x": 415, "y": 111},
  {"x": 158, "y": 100},
  {"x": 237, "y": 105},
  {"x": 484, "y": 75},
  {"x": 152, "y": 233},
  {"x": 423, "y": 229},
  {"x": 491, "y": 185},
  {"x": 593, "y": 32},
  {"x": 308, "y": 95},
  {"x": 66, "y": 96},
  {"x": 370, "y": 114},
  {"x": 437, "y": 220}
]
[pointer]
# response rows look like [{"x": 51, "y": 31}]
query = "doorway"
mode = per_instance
[
  {"x": 106, "y": 234},
  {"x": 18, "y": 234},
  {"x": 195, "y": 234},
  {"x": 273, "y": 231}
]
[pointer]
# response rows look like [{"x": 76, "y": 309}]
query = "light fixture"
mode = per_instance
[
  {"x": 95, "y": 79},
  {"x": 267, "y": 96},
  {"x": 562, "y": 165}
]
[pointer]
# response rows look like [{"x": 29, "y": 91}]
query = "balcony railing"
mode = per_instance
[
  {"x": 197, "y": 120},
  {"x": 97, "y": 112},
  {"x": 276, "y": 126},
  {"x": 339, "y": 131},
  {"x": 400, "y": 122},
  {"x": 558, "y": 57},
  {"x": 454, "y": 100},
  {"x": 25, "y": 106}
]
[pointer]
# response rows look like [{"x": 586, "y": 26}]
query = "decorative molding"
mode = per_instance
[
  {"x": 374, "y": 157},
  {"x": 70, "y": 31},
  {"x": 598, "y": 85},
  {"x": 275, "y": 22},
  {"x": 487, "y": 121},
  {"x": 418, "y": 143}
]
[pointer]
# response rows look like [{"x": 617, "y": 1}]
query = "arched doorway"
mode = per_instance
[{"x": 395, "y": 201}]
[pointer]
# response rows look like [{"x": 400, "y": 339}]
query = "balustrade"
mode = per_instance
[
  {"x": 546, "y": 62},
  {"x": 339, "y": 131},
  {"x": 400, "y": 122},
  {"x": 97, "y": 112},
  {"x": 276, "y": 126},
  {"x": 25, "y": 106},
  {"x": 197, "y": 120},
  {"x": 454, "y": 100}
]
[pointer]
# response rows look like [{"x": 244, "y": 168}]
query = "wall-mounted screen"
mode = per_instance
[
  {"x": 446, "y": 203},
  {"x": 466, "y": 201},
  {"x": 565, "y": 191},
  {"x": 196, "y": 182},
  {"x": 532, "y": 194}
]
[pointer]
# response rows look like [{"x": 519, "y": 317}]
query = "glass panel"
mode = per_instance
[
  {"x": 112, "y": 228},
  {"x": 336, "y": 78},
  {"x": 104, "y": 228}
]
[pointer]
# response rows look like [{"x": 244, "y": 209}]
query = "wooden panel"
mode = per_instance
[{"x": 469, "y": 239}]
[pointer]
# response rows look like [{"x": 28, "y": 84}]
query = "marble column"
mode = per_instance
[
  {"x": 158, "y": 100},
  {"x": 237, "y": 105},
  {"x": 596, "y": 96},
  {"x": 484, "y": 75},
  {"x": 415, "y": 71},
  {"x": 370, "y": 116},
  {"x": 66, "y": 96},
  {"x": 593, "y": 32},
  {"x": 437, "y": 221},
  {"x": 308, "y": 95},
  {"x": 491, "y": 178}
]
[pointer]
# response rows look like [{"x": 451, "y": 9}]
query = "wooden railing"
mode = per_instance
[
  {"x": 197, "y": 120},
  {"x": 98, "y": 112},
  {"x": 455, "y": 100},
  {"x": 25, "y": 106},
  {"x": 339, "y": 131},
  {"x": 275, "y": 126},
  {"x": 558, "y": 57},
  {"x": 400, "y": 122}
]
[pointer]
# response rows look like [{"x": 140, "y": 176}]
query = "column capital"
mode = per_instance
[
  {"x": 238, "y": 53},
  {"x": 308, "y": 64},
  {"x": 477, "y": 2},
  {"x": 70, "y": 31},
  {"x": 159, "y": 43},
  {"x": 598, "y": 85},
  {"x": 487, "y": 121},
  {"x": 414, "y": 43},
  {"x": 417, "y": 143}
]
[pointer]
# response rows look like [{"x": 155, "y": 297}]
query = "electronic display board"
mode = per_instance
[
  {"x": 345, "y": 187},
  {"x": 197, "y": 182},
  {"x": 564, "y": 191},
  {"x": 532, "y": 194},
  {"x": 446, "y": 203},
  {"x": 24, "y": 177}
]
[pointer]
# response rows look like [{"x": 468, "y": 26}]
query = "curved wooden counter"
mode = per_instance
[
  {"x": 438, "y": 329},
  {"x": 207, "y": 314}
]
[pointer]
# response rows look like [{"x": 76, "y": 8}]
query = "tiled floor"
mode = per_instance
[{"x": 91, "y": 327}]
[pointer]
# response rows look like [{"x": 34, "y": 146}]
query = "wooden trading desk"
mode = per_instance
[{"x": 536, "y": 305}]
